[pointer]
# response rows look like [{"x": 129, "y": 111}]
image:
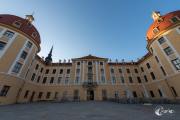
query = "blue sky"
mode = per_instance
[{"x": 105, "y": 28}]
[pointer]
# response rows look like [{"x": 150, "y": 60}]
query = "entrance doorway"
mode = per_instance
[
  {"x": 90, "y": 95},
  {"x": 104, "y": 95}
]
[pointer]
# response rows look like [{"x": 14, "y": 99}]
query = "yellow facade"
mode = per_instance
[{"x": 25, "y": 77}]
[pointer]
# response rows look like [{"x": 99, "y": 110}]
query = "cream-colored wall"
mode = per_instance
[
  {"x": 19, "y": 86},
  {"x": 10, "y": 55},
  {"x": 15, "y": 84}
]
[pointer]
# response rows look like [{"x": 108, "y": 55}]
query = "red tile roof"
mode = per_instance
[
  {"x": 161, "y": 25},
  {"x": 27, "y": 29}
]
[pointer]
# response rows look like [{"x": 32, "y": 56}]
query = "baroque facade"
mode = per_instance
[{"x": 26, "y": 77}]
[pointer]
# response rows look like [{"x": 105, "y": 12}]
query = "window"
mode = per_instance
[
  {"x": 135, "y": 70},
  {"x": 23, "y": 55},
  {"x": 77, "y": 79},
  {"x": 176, "y": 63},
  {"x": 152, "y": 94},
  {"x": 48, "y": 95},
  {"x": 52, "y": 80},
  {"x": 112, "y": 70},
  {"x": 163, "y": 71},
  {"x": 40, "y": 95},
  {"x": 174, "y": 91},
  {"x": 2, "y": 45},
  {"x": 152, "y": 76},
  {"x": 26, "y": 94},
  {"x": 160, "y": 93},
  {"x": 66, "y": 80},
  {"x": 78, "y": 63},
  {"x": 41, "y": 70},
  {"x": 89, "y": 63},
  {"x": 128, "y": 71},
  {"x": 130, "y": 80},
  {"x": 8, "y": 34},
  {"x": 122, "y": 79},
  {"x": 142, "y": 69},
  {"x": 161, "y": 40},
  {"x": 102, "y": 71},
  {"x": 90, "y": 70},
  {"x": 157, "y": 59},
  {"x": 33, "y": 77},
  {"x": 34, "y": 34},
  {"x": 17, "y": 67},
  {"x": 168, "y": 51},
  {"x": 47, "y": 71},
  {"x": 29, "y": 45},
  {"x": 68, "y": 71},
  {"x": 174, "y": 19},
  {"x": 44, "y": 80},
  {"x": 4, "y": 90},
  {"x": 59, "y": 80},
  {"x": 61, "y": 71},
  {"x": 54, "y": 71},
  {"x": 148, "y": 65},
  {"x": 78, "y": 71},
  {"x": 101, "y": 63},
  {"x": 39, "y": 77},
  {"x": 134, "y": 94},
  {"x": 17, "y": 24},
  {"x": 113, "y": 79},
  {"x": 145, "y": 78},
  {"x": 120, "y": 70},
  {"x": 155, "y": 30},
  {"x": 139, "y": 79},
  {"x": 37, "y": 66},
  {"x": 102, "y": 79}
]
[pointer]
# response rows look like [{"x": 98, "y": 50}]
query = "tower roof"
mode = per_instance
[
  {"x": 48, "y": 59},
  {"x": 21, "y": 25},
  {"x": 161, "y": 24}
]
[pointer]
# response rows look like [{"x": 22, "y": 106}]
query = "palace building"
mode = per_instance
[{"x": 26, "y": 77}]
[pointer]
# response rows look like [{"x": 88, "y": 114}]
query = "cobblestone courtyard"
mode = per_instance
[{"x": 85, "y": 111}]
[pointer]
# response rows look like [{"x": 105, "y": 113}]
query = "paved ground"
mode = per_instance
[{"x": 85, "y": 111}]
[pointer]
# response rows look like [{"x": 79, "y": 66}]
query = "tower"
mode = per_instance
[
  {"x": 48, "y": 59},
  {"x": 163, "y": 43},
  {"x": 19, "y": 44}
]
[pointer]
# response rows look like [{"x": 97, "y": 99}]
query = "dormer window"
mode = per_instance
[
  {"x": 155, "y": 30},
  {"x": 174, "y": 19},
  {"x": 34, "y": 35},
  {"x": 17, "y": 24}
]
